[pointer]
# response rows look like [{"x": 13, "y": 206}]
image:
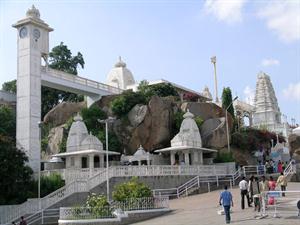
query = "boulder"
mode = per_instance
[
  {"x": 213, "y": 133},
  {"x": 137, "y": 114},
  {"x": 294, "y": 142},
  {"x": 206, "y": 110},
  {"x": 55, "y": 137},
  {"x": 149, "y": 126},
  {"x": 62, "y": 112}
]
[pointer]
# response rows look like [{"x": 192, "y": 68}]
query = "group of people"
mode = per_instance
[
  {"x": 251, "y": 190},
  {"x": 275, "y": 167}
]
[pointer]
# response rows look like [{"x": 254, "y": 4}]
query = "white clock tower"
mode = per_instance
[{"x": 33, "y": 45}]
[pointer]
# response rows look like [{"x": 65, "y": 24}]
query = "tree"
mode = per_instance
[
  {"x": 10, "y": 86},
  {"x": 7, "y": 122},
  {"x": 125, "y": 102},
  {"x": 90, "y": 117},
  {"x": 227, "y": 100},
  {"x": 60, "y": 58},
  {"x": 16, "y": 176}
]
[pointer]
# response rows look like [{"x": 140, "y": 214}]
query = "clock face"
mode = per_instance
[
  {"x": 23, "y": 32},
  {"x": 36, "y": 34}
]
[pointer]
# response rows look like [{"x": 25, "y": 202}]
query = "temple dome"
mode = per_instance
[
  {"x": 78, "y": 132},
  {"x": 140, "y": 151},
  {"x": 91, "y": 143},
  {"x": 296, "y": 131},
  {"x": 189, "y": 134},
  {"x": 120, "y": 76}
]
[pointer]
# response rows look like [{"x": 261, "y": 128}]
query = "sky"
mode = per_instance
[{"x": 174, "y": 40}]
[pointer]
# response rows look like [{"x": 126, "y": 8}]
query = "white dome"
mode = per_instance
[
  {"x": 120, "y": 76},
  {"x": 189, "y": 134},
  {"x": 206, "y": 93},
  {"x": 91, "y": 143},
  {"x": 78, "y": 132}
]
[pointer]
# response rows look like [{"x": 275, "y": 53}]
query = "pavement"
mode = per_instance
[{"x": 202, "y": 209}]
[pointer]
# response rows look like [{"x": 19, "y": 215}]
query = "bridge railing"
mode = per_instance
[{"x": 80, "y": 80}]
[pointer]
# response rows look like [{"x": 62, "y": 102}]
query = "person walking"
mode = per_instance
[
  {"x": 250, "y": 188},
  {"x": 282, "y": 182},
  {"x": 256, "y": 194},
  {"x": 264, "y": 187},
  {"x": 279, "y": 167},
  {"x": 272, "y": 186},
  {"x": 243, "y": 185},
  {"x": 226, "y": 201}
]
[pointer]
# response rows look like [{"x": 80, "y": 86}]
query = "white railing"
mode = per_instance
[
  {"x": 281, "y": 205},
  {"x": 191, "y": 185},
  {"x": 254, "y": 170},
  {"x": 100, "y": 177},
  {"x": 80, "y": 80},
  {"x": 290, "y": 169},
  {"x": 82, "y": 213}
]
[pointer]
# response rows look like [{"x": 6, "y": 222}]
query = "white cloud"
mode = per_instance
[
  {"x": 229, "y": 11},
  {"x": 270, "y": 62},
  {"x": 292, "y": 92},
  {"x": 249, "y": 95},
  {"x": 283, "y": 17}
]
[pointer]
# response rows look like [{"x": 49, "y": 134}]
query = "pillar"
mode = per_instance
[
  {"x": 91, "y": 164},
  {"x": 195, "y": 159},
  {"x": 186, "y": 158},
  {"x": 172, "y": 157},
  {"x": 101, "y": 161},
  {"x": 201, "y": 157}
]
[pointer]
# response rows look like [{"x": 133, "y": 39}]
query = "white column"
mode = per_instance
[
  {"x": 201, "y": 157},
  {"x": 91, "y": 164},
  {"x": 186, "y": 158},
  {"x": 172, "y": 156},
  {"x": 101, "y": 161}
]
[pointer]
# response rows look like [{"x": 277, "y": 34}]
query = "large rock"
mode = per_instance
[
  {"x": 294, "y": 142},
  {"x": 150, "y": 126},
  {"x": 137, "y": 114},
  {"x": 206, "y": 110},
  {"x": 55, "y": 137},
  {"x": 213, "y": 133},
  {"x": 62, "y": 112}
]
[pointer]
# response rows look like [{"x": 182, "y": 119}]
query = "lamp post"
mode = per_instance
[
  {"x": 106, "y": 121},
  {"x": 214, "y": 61},
  {"x": 40, "y": 123},
  {"x": 227, "y": 129}
]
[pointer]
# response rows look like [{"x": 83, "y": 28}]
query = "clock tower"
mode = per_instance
[{"x": 33, "y": 45}]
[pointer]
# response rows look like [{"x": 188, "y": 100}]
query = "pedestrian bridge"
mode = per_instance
[{"x": 75, "y": 84}]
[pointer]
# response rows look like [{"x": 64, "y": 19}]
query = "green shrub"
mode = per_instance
[
  {"x": 177, "y": 120},
  {"x": 98, "y": 205},
  {"x": 199, "y": 121},
  {"x": 51, "y": 183},
  {"x": 125, "y": 102},
  {"x": 132, "y": 189},
  {"x": 113, "y": 141},
  {"x": 90, "y": 117}
]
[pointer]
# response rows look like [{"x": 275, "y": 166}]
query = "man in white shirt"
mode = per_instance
[{"x": 244, "y": 192}]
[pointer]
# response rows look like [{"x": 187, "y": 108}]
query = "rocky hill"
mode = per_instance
[{"x": 150, "y": 125}]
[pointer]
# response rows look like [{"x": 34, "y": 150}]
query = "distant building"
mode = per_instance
[
  {"x": 7, "y": 98},
  {"x": 266, "y": 112},
  {"x": 121, "y": 77}
]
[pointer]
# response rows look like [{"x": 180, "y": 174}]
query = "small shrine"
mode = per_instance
[
  {"x": 186, "y": 147},
  {"x": 140, "y": 157},
  {"x": 83, "y": 150}
]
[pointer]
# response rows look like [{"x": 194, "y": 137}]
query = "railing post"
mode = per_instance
[
  {"x": 217, "y": 178},
  {"x": 208, "y": 187},
  {"x": 42, "y": 216},
  {"x": 177, "y": 193},
  {"x": 257, "y": 170},
  {"x": 186, "y": 192},
  {"x": 198, "y": 180},
  {"x": 230, "y": 181}
]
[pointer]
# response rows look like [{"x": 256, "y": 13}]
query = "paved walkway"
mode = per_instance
[{"x": 202, "y": 210}]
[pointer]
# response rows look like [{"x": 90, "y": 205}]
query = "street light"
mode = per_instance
[
  {"x": 106, "y": 121},
  {"x": 214, "y": 61},
  {"x": 40, "y": 123},
  {"x": 227, "y": 129}
]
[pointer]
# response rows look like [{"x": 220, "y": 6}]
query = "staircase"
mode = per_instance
[{"x": 289, "y": 171}]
